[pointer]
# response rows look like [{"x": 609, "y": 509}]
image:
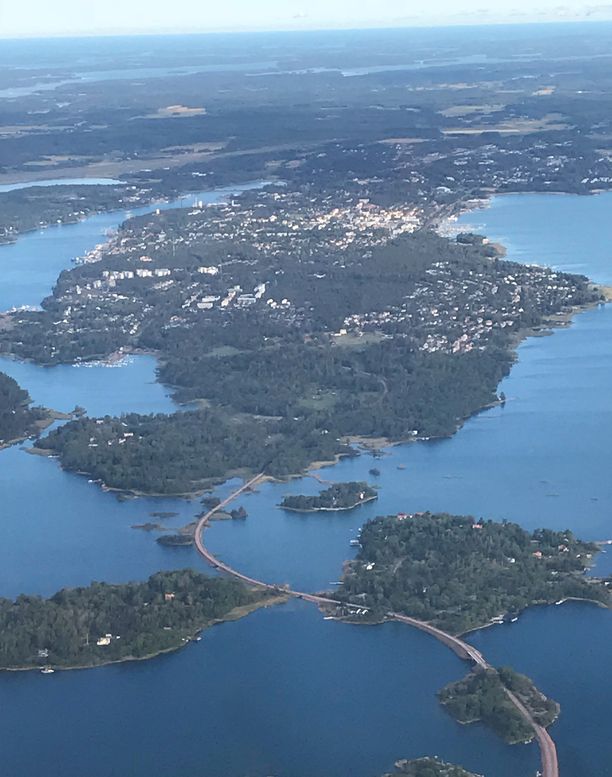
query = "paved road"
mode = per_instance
[
  {"x": 465, "y": 651},
  {"x": 548, "y": 749}
]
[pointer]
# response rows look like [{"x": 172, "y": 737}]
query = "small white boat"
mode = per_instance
[{"x": 47, "y": 670}]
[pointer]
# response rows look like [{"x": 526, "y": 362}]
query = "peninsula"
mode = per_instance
[
  {"x": 18, "y": 419},
  {"x": 340, "y": 496},
  {"x": 275, "y": 340}
]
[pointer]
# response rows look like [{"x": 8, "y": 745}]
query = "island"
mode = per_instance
[
  {"x": 483, "y": 697},
  {"x": 176, "y": 540},
  {"x": 18, "y": 419},
  {"x": 339, "y": 496},
  {"x": 149, "y": 526},
  {"x": 459, "y": 573},
  {"x": 428, "y": 767},
  {"x": 103, "y": 623}
]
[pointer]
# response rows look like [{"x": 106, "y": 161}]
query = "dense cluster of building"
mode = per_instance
[
  {"x": 459, "y": 309},
  {"x": 272, "y": 253}
]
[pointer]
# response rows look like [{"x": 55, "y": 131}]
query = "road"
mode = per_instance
[
  {"x": 548, "y": 749},
  {"x": 465, "y": 651}
]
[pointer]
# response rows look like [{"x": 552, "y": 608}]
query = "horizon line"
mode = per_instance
[{"x": 315, "y": 29}]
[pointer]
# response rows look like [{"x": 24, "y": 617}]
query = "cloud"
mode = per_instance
[{"x": 598, "y": 10}]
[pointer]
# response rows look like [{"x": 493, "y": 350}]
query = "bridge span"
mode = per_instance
[{"x": 465, "y": 651}]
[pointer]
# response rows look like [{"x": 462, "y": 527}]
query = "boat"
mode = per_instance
[{"x": 47, "y": 670}]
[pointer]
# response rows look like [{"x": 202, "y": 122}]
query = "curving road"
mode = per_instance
[{"x": 465, "y": 651}]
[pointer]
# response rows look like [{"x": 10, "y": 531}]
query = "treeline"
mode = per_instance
[
  {"x": 186, "y": 452},
  {"x": 340, "y": 496},
  {"x": 482, "y": 697},
  {"x": 17, "y": 418},
  {"x": 460, "y": 574},
  {"x": 411, "y": 394},
  {"x": 134, "y": 620}
]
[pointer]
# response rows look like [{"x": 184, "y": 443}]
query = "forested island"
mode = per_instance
[
  {"x": 340, "y": 496},
  {"x": 18, "y": 419},
  {"x": 176, "y": 540},
  {"x": 482, "y": 697},
  {"x": 428, "y": 767},
  {"x": 460, "y": 574},
  {"x": 105, "y": 623}
]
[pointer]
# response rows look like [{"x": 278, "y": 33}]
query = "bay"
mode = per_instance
[{"x": 30, "y": 267}]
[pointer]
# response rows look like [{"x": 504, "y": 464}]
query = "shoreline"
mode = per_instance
[
  {"x": 383, "y": 619},
  {"x": 444, "y": 220},
  {"x": 233, "y": 615},
  {"x": 560, "y": 320},
  {"x": 328, "y": 509},
  {"x": 144, "y": 201},
  {"x": 533, "y": 606},
  {"x": 41, "y": 425}
]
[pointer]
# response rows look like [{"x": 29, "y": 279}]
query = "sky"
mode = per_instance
[{"x": 75, "y": 17}]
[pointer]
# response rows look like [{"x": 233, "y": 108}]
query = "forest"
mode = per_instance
[
  {"x": 17, "y": 418},
  {"x": 424, "y": 395},
  {"x": 186, "y": 452},
  {"x": 482, "y": 697},
  {"x": 339, "y": 496},
  {"x": 460, "y": 573},
  {"x": 103, "y": 623},
  {"x": 384, "y": 389}
]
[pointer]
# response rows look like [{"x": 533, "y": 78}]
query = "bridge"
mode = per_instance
[{"x": 465, "y": 651}]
